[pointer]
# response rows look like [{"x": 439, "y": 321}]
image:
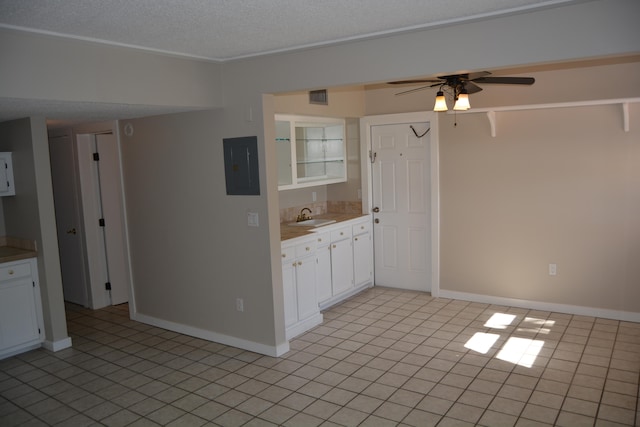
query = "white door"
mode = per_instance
[
  {"x": 110, "y": 191},
  {"x": 102, "y": 200},
  {"x": 401, "y": 205},
  {"x": 68, "y": 221}
]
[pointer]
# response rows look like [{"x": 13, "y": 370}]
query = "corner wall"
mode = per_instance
[{"x": 30, "y": 215}]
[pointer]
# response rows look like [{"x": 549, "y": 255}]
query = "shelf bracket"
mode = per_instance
[
  {"x": 491, "y": 115},
  {"x": 625, "y": 116}
]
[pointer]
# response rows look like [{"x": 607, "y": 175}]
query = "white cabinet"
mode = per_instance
[
  {"x": 362, "y": 254},
  {"x": 310, "y": 151},
  {"x": 323, "y": 267},
  {"x": 351, "y": 261},
  {"x": 341, "y": 261},
  {"x": 301, "y": 310},
  {"x": 7, "y": 187},
  {"x": 20, "y": 307}
]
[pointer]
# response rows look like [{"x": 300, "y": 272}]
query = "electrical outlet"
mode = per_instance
[
  {"x": 553, "y": 269},
  {"x": 314, "y": 196},
  {"x": 239, "y": 304}
]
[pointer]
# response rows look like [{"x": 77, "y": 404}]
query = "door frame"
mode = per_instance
[
  {"x": 366, "y": 123},
  {"x": 100, "y": 297}
]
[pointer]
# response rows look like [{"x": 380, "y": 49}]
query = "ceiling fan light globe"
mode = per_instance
[
  {"x": 441, "y": 102},
  {"x": 462, "y": 103}
]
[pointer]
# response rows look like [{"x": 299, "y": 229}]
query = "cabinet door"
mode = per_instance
[
  {"x": 362, "y": 259},
  {"x": 18, "y": 318},
  {"x": 341, "y": 266},
  {"x": 289, "y": 291},
  {"x": 323, "y": 273},
  {"x": 306, "y": 287}
]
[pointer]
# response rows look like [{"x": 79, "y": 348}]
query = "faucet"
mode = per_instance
[{"x": 303, "y": 216}]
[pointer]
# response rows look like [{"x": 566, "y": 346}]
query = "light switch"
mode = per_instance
[{"x": 252, "y": 219}]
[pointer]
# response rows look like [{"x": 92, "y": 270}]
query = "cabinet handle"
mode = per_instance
[
  {"x": 356, "y": 239},
  {"x": 341, "y": 233},
  {"x": 319, "y": 240},
  {"x": 299, "y": 262},
  {"x": 284, "y": 255},
  {"x": 10, "y": 272},
  {"x": 308, "y": 248},
  {"x": 334, "y": 246}
]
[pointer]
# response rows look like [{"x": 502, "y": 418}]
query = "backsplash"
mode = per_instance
[{"x": 321, "y": 208}]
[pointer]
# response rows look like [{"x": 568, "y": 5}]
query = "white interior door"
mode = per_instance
[
  {"x": 102, "y": 199},
  {"x": 401, "y": 197},
  {"x": 68, "y": 221},
  {"x": 114, "y": 235}
]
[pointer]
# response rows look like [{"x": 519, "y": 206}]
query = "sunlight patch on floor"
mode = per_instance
[{"x": 519, "y": 351}]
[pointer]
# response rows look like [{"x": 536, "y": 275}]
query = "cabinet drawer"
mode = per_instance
[
  {"x": 306, "y": 248},
  {"x": 364, "y": 227},
  {"x": 288, "y": 253},
  {"x": 15, "y": 271},
  {"x": 340, "y": 234},
  {"x": 323, "y": 239}
]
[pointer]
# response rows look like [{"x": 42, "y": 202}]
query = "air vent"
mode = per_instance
[{"x": 318, "y": 97}]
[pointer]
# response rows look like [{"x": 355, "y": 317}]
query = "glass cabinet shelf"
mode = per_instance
[{"x": 310, "y": 150}]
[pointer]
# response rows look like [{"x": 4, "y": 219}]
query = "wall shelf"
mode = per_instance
[{"x": 491, "y": 112}]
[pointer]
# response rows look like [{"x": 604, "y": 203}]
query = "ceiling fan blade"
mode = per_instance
[
  {"x": 471, "y": 87},
  {"x": 477, "y": 75},
  {"x": 506, "y": 80},
  {"x": 413, "y": 90},
  {"x": 403, "y": 82}
]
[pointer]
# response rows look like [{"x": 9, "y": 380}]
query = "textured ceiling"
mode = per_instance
[{"x": 228, "y": 29}]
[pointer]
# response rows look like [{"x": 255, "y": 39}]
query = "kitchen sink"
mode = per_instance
[{"x": 313, "y": 222}]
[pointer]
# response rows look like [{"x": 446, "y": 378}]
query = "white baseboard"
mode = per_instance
[
  {"x": 57, "y": 345},
  {"x": 273, "y": 351},
  {"x": 626, "y": 316}
]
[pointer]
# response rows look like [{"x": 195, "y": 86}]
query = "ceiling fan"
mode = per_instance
[{"x": 460, "y": 86}]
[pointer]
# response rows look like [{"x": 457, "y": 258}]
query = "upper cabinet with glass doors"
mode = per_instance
[{"x": 311, "y": 151}]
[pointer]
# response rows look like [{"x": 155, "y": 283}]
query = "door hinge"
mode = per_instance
[
  {"x": 107, "y": 286},
  {"x": 101, "y": 222},
  {"x": 96, "y": 156}
]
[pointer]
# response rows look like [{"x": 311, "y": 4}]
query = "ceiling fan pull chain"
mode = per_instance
[{"x": 416, "y": 133}]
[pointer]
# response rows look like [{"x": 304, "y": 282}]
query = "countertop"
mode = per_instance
[
  {"x": 290, "y": 232},
  {"x": 13, "y": 249}
]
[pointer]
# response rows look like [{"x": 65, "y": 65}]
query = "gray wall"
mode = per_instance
[{"x": 30, "y": 213}]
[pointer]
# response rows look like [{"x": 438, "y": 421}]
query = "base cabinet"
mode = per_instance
[
  {"x": 351, "y": 261},
  {"x": 324, "y": 268},
  {"x": 301, "y": 311},
  {"x": 20, "y": 308}
]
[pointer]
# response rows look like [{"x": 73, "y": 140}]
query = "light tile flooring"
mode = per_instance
[{"x": 382, "y": 358}]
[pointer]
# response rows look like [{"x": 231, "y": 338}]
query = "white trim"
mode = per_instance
[
  {"x": 626, "y": 316},
  {"x": 269, "y": 350},
  {"x": 57, "y": 345},
  {"x": 367, "y": 196}
]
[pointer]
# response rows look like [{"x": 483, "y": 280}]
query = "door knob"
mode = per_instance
[
  {"x": 376, "y": 209},
  {"x": 72, "y": 231}
]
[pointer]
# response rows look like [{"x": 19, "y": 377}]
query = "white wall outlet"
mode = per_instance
[
  {"x": 553, "y": 269},
  {"x": 239, "y": 304},
  {"x": 314, "y": 196}
]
